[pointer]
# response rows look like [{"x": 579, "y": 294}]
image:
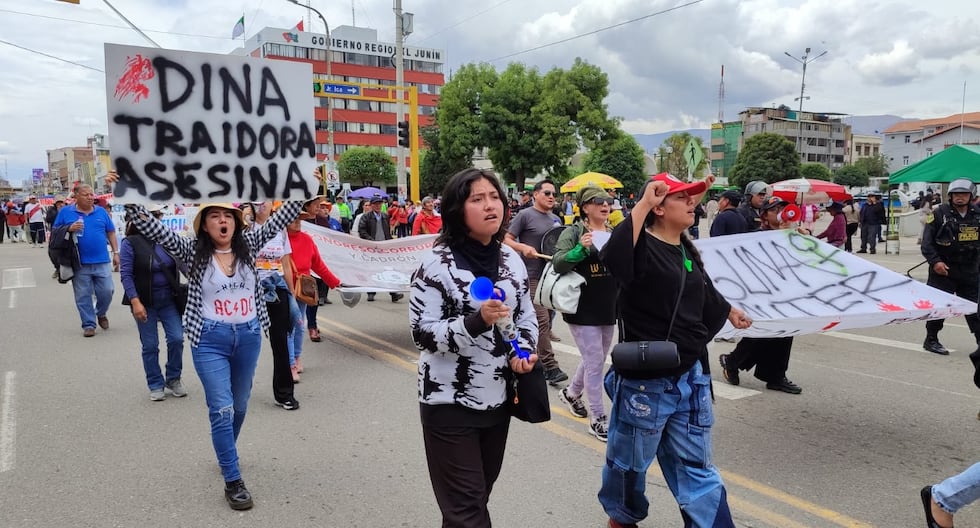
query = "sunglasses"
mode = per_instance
[
  {"x": 600, "y": 201},
  {"x": 548, "y": 193}
]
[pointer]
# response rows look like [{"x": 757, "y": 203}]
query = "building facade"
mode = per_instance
[
  {"x": 357, "y": 56},
  {"x": 908, "y": 142},
  {"x": 726, "y": 140},
  {"x": 67, "y": 165},
  {"x": 863, "y": 146},
  {"x": 820, "y": 137}
]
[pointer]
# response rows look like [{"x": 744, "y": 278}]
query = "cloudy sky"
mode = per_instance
[{"x": 883, "y": 56}]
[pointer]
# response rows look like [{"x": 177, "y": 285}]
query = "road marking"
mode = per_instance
[
  {"x": 8, "y": 423},
  {"x": 342, "y": 333},
  {"x": 12, "y": 303},
  {"x": 18, "y": 278},
  {"x": 876, "y": 341}
]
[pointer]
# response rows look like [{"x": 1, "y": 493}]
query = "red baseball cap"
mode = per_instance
[{"x": 676, "y": 186}]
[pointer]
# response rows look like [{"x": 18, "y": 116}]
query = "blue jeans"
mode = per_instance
[
  {"x": 225, "y": 361},
  {"x": 163, "y": 311},
  {"x": 297, "y": 331},
  {"x": 93, "y": 279},
  {"x": 668, "y": 419},
  {"x": 958, "y": 491}
]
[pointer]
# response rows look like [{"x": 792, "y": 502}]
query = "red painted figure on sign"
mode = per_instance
[{"x": 138, "y": 69}]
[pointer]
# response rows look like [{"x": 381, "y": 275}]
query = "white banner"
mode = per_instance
[
  {"x": 369, "y": 266},
  {"x": 196, "y": 127},
  {"x": 792, "y": 284}
]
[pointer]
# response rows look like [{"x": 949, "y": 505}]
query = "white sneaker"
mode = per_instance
[
  {"x": 158, "y": 395},
  {"x": 600, "y": 428}
]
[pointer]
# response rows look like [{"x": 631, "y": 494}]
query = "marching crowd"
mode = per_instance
[{"x": 644, "y": 298}]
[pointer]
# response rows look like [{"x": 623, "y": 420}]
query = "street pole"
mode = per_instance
[
  {"x": 331, "y": 165},
  {"x": 799, "y": 116},
  {"x": 400, "y": 95}
]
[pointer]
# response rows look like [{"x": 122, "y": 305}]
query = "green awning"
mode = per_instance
[{"x": 957, "y": 161}]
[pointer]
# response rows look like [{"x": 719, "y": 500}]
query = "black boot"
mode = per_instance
[
  {"x": 933, "y": 345},
  {"x": 975, "y": 358},
  {"x": 237, "y": 495}
]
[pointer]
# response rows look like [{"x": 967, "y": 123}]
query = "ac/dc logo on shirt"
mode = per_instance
[{"x": 243, "y": 307}]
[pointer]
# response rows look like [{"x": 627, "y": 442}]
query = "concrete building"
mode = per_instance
[
  {"x": 726, "y": 140},
  {"x": 356, "y": 56},
  {"x": 820, "y": 137},
  {"x": 863, "y": 146},
  {"x": 907, "y": 142},
  {"x": 67, "y": 165}
]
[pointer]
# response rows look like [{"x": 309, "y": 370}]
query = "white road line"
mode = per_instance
[
  {"x": 914, "y": 347},
  {"x": 722, "y": 390},
  {"x": 12, "y": 303},
  {"x": 18, "y": 278},
  {"x": 8, "y": 423}
]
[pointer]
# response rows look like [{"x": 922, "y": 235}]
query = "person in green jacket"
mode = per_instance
[{"x": 345, "y": 214}]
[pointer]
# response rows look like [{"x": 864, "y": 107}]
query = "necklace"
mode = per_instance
[
  {"x": 223, "y": 251},
  {"x": 227, "y": 268}
]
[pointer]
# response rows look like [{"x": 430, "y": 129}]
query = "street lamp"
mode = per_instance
[
  {"x": 330, "y": 149},
  {"x": 799, "y": 117}
]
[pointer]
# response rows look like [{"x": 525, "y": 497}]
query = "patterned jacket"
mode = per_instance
[
  {"x": 456, "y": 367},
  {"x": 182, "y": 248}
]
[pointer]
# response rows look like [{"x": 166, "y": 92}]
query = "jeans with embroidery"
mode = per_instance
[
  {"x": 668, "y": 419},
  {"x": 93, "y": 279},
  {"x": 225, "y": 361}
]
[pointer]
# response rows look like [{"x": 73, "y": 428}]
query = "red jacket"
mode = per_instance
[
  {"x": 427, "y": 225},
  {"x": 306, "y": 257}
]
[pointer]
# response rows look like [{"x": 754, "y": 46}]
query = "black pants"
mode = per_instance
[
  {"x": 869, "y": 236},
  {"x": 464, "y": 462},
  {"x": 37, "y": 232},
  {"x": 961, "y": 281},
  {"x": 851, "y": 229},
  {"x": 3, "y": 226},
  {"x": 279, "y": 326},
  {"x": 769, "y": 356}
]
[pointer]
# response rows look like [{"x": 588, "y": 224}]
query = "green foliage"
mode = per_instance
[
  {"x": 621, "y": 157},
  {"x": 530, "y": 122},
  {"x": 367, "y": 165},
  {"x": 767, "y": 157},
  {"x": 875, "y": 166},
  {"x": 851, "y": 176},
  {"x": 437, "y": 166},
  {"x": 670, "y": 155},
  {"x": 815, "y": 171}
]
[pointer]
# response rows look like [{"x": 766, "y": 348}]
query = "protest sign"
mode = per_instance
[
  {"x": 367, "y": 265},
  {"x": 196, "y": 127},
  {"x": 792, "y": 284}
]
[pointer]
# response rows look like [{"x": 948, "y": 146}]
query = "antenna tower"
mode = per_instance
[{"x": 721, "y": 96}]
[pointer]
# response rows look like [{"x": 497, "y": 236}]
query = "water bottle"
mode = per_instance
[{"x": 81, "y": 232}]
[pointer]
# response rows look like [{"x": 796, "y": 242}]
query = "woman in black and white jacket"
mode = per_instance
[{"x": 465, "y": 362}]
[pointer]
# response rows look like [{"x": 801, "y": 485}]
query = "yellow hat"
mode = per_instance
[{"x": 199, "y": 217}]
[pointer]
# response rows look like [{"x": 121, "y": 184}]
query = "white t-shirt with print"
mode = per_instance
[
  {"x": 269, "y": 259},
  {"x": 228, "y": 299}
]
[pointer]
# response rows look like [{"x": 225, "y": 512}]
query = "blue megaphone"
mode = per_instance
[{"x": 482, "y": 289}]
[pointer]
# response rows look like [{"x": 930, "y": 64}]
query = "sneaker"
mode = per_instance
[
  {"x": 157, "y": 394},
  {"x": 289, "y": 405},
  {"x": 237, "y": 495},
  {"x": 555, "y": 376},
  {"x": 575, "y": 405},
  {"x": 785, "y": 385},
  {"x": 176, "y": 388},
  {"x": 600, "y": 428},
  {"x": 731, "y": 374},
  {"x": 931, "y": 344}
]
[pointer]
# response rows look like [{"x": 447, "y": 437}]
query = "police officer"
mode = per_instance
[
  {"x": 951, "y": 245},
  {"x": 751, "y": 209}
]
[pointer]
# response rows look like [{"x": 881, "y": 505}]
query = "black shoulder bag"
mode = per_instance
[{"x": 644, "y": 356}]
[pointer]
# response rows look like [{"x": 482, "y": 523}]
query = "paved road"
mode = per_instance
[{"x": 81, "y": 445}]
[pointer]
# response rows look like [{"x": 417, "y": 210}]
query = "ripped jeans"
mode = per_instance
[{"x": 225, "y": 361}]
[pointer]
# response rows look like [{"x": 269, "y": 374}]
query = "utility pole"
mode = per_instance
[
  {"x": 799, "y": 116},
  {"x": 331, "y": 161},
  {"x": 400, "y": 95}
]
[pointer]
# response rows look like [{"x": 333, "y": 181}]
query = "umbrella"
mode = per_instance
[
  {"x": 366, "y": 193},
  {"x": 591, "y": 178},
  {"x": 802, "y": 190}
]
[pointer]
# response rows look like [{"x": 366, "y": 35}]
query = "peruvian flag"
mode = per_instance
[{"x": 299, "y": 27}]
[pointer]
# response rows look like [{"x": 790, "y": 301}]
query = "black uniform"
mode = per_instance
[
  {"x": 954, "y": 240},
  {"x": 753, "y": 216}
]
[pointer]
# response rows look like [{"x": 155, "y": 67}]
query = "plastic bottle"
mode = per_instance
[{"x": 80, "y": 232}]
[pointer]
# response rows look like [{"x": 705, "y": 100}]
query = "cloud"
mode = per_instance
[{"x": 900, "y": 65}]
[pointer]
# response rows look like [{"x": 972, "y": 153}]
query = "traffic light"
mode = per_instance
[{"x": 404, "y": 135}]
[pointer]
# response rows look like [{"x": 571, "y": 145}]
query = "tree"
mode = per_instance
[
  {"x": 874, "y": 166},
  {"x": 767, "y": 157},
  {"x": 437, "y": 166},
  {"x": 621, "y": 157},
  {"x": 367, "y": 165},
  {"x": 670, "y": 155},
  {"x": 815, "y": 171},
  {"x": 851, "y": 176},
  {"x": 459, "y": 116}
]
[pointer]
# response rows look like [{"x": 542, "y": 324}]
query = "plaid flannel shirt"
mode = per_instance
[{"x": 183, "y": 249}]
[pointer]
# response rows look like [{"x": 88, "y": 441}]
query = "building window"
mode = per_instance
[
  {"x": 905, "y": 161},
  {"x": 908, "y": 139}
]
